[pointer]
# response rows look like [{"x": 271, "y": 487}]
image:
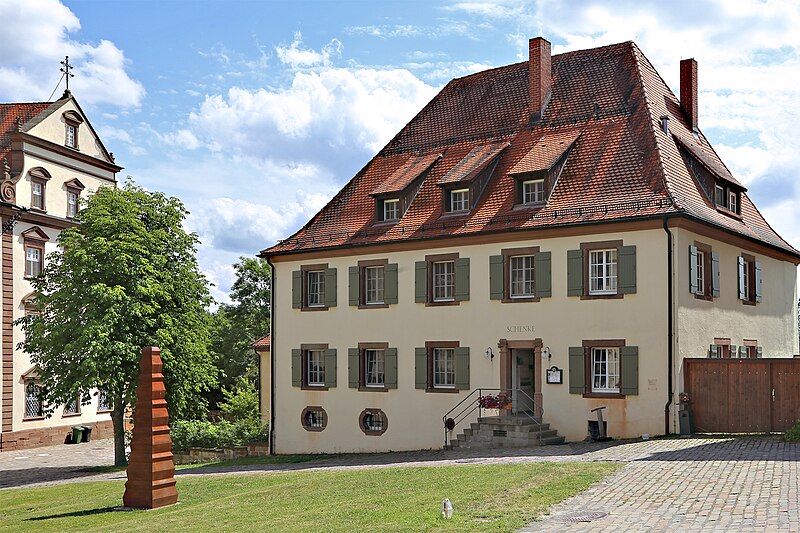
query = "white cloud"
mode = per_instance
[
  {"x": 36, "y": 36},
  {"x": 296, "y": 57}
]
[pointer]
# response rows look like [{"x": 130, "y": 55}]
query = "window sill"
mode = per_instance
[
  {"x": 728, "y": 212},
  {"x": 33, "y": 418},
  {"x": 442, "y": 303},
  {"x": 70, "y": 415},
  {"x": 538, "y": 205},
  {"x": 444, "y": 390},
  {"x": 749, "y": 302},
  {"x": 520, "y": 300},
  {"x": 373, "y": 306},
  {"x": 103, "y": 411},
  {"x": 602, "y": 296},
  {"x": 705, "y": 297},
  {"x": 364, "y": 388},
  {"x": 608, "y": 395},
  {"x": 314, "y": 308},
  {"x": 314, "y": 387},
  {"x": 38, "y": 209},
  {"x": 455, "y": 214},
  {"x": 373, "y": 433},
  {"x": 391, "y": 222}
]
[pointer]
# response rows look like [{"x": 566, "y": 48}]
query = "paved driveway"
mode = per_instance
[{"x": 742, "y": 484}]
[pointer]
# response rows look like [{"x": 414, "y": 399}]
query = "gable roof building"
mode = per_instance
[
  {"x": 50, "y": 158},
  {"x": 587, "y": 164}
]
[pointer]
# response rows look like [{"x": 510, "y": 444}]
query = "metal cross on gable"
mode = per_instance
[{"x": 65, "y": 69}]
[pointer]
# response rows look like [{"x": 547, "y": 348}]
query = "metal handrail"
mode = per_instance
[{"x": 470, "y": 407}]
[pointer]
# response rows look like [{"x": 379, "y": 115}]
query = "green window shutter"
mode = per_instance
[
  {"x": 577, "y": 370},
  {"x": 496, "y": 277},
  {"x": 354, "y": 285},
  {"x": 630, "y": 370},
  {"x": 353, "y": 368},
  {"x": 626, "y": 284},
  {"x": 693, "y": 269},
  {"x": 330, "y": 367},
  {"x": 421, "y": 282},
  {"x": 390, "y": 284},
  {"x": 421, "y": 368},
  {"x": 574, "y": 273},
  {"x": 330, "y": 287},
  {"x": 297, "y": 368},
  {"x": 757, "y": 281},
  {"x": 390, "y": 368},
  {"x": 712, "y": 351},
  {"x": 742, "y": 265},
  {"x": 733, "y": 351},
  {"x": 462, "y": 367},
  {"x": 462, "y": 279},
  {"x": 542, "y": 285},
  {"x": 715, "y": 274},
  {"x": 297, "y": 289},
  {"x": 759, "y": 351}
]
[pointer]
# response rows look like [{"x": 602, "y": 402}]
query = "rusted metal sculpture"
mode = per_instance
[{"x": 151, "y": 469}]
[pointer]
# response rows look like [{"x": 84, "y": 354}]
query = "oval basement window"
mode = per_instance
[
  {"x": 314, "y": 418},
  {"x": 373, "y": 422}
]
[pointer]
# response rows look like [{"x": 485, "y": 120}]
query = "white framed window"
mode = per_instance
[
  {"x": 72, "y": 204},
  {"x": 719, "y": 195},
  {"x": 444, "y": 371},
  {"x": 72, "y": 407},
  {"x": 72, "y": 134},
  {"x": 522, "y": 279},
  {"x": 374, "y": 368},
  {"x": 37, "y": 194},
  {"x": 374, "y": 279},
  {"x": 444, "y": 280},
  {"x": 391, "y": 209},
  {"x": 732, "y": 201},
  {"x": 103, "y": 401},
  {"x": 316, "y": 288},
  {"x": 701, "y": 273},
  {"x": 34, "y": 407},
  {"x": 315, "y": 367},
  {"x": 603, "y": 271},
  {"x": 533, "y": 191},
  {"x": 33, "y": 261},
  {"x": 459, "y": 200},
  {"x": 605, "y": 370}
]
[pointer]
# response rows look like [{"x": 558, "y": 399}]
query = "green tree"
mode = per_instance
[
  {"x": 236, "y": 326},
  {"x": 125, "y": 277}
]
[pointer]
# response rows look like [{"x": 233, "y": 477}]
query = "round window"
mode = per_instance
[
  {"x": 373, "y": 422},
  {"x": 314, "y": 418}
]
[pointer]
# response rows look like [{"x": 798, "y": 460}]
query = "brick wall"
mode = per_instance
[{"x": 34, "y": 438}]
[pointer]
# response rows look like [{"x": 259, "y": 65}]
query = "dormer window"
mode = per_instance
[
  {"x": 533, "y": 191},
  {"x": 719, "y": 195},
  {"x": 732, "y": 204},
  {"x": 726, "y": 198},
  {"x": 391, "y": 209},
  {"x": 72, "y": 122},
  {"x": 464, "y": 183},
  {"x": 459, "y": 200}
]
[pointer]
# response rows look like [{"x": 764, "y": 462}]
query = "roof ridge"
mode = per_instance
[{"x": 636, "y": 53}]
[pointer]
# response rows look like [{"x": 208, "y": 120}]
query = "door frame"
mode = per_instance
[{"x": 505, "y": 346}]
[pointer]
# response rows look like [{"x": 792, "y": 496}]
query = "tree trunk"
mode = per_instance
[{"x": 118, "y": 419}]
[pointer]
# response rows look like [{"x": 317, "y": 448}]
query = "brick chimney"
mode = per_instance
[
  {"x": 539, "y": 76},
  {"x": 689, "y": 91}
]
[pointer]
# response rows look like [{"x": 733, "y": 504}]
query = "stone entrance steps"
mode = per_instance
[{"x": 507, "y": 431}]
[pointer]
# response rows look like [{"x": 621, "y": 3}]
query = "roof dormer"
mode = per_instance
[
  {"x": 463, "y": 184},
  {"x": 394, "y": 196},
  {"x": 537, "y": 172}
]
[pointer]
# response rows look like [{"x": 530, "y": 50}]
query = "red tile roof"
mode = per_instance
[
  {"x": 406, "y": 173},
  {"x": 473, "y": 163},
  {"x": 263, "y": 342},
  {"x": 546, "y": 152},
  {"x": 9, "y": 113},
  {"x": 606, "y": 104}
]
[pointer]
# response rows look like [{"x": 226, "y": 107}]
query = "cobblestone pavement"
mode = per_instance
[{"x": 727, "y": 484}]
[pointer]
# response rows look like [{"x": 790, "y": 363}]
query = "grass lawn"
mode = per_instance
[{"x": 485, "y": 498}]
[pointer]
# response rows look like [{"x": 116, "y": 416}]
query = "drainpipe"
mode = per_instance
[
  {"x": 669, "y": 329},
  {"x": 271, "y": 358}
]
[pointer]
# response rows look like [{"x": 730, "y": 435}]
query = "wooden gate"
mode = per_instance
[{"x": 743, "y": 395}]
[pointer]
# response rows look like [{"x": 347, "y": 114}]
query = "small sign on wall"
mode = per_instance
[{"x": 555, "y": 375}]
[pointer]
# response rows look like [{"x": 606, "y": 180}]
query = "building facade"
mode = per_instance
[
  {"x": 52, "y": 159},
  {"x": 558, "y": 228}
]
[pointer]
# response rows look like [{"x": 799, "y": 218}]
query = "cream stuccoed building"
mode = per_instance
[
  {"x": 558, "y": 230},
  {"x": 51, "y": 158}
]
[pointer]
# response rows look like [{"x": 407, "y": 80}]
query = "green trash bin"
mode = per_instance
[{"x": 77, "y": 434}]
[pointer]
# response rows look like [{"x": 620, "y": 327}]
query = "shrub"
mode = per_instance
[
  {"x": 793, "y": 435},
  {"x": 203, "y": 434},
  {"x": 241, "y": 402}
]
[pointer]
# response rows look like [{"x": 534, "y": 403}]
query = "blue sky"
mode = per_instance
[{"x": 256, "y": 113}]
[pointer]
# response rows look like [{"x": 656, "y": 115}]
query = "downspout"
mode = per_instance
[
  {"x": 669, "y": 329},
  {"x": 271, "y": 358}
]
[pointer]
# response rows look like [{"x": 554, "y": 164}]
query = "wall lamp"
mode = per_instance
[
  {"x": 546, "y": 353},
  {"x": 489, "y": 353}
]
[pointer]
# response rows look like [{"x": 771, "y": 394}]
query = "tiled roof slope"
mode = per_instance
[
  {"x": 9, "y": 113},
  {"x": 622, "y": 166}
]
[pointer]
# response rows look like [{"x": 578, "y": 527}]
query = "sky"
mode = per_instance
[{"x": 256, "y": 113}]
